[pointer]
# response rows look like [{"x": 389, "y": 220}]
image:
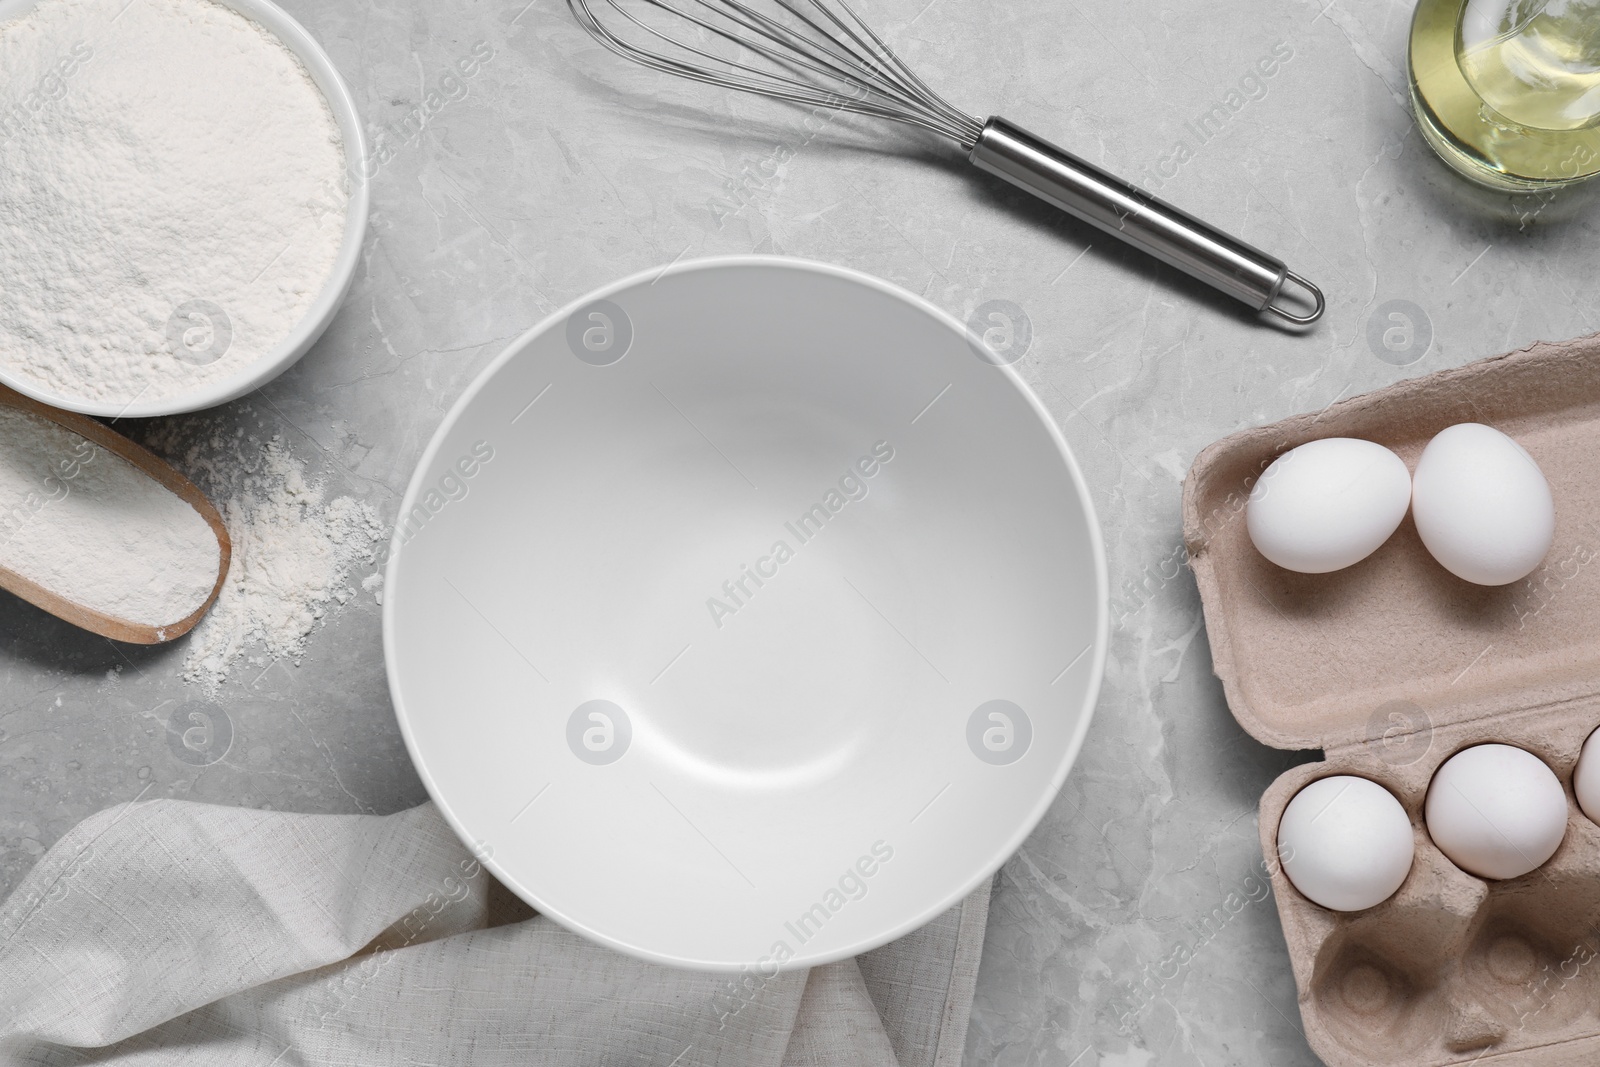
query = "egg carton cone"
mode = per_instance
[{"x": 1392, "y": 666}]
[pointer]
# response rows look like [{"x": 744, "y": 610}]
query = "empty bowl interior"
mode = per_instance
[{"x": 837, "y": 574}]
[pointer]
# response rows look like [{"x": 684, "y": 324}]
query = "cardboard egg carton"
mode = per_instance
[{"x": 1392, "y": 666}]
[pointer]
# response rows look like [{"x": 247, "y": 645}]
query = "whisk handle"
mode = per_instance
[{"x": 1129, "y": 213}]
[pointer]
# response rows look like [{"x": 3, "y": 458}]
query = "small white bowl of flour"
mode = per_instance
[{"x": 183, "y": 199}]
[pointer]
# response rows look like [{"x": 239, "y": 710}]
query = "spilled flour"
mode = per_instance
[{"x": 295, "y": 550}]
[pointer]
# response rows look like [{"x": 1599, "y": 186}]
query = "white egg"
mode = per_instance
[
  {"x": 1328, "y": 504},
  {"x": 1345, "y": 843},
  {"x": 1481, "y": 505},
  {"x": 1586, "y": 780},
  {"x": 1496, "y": 811}
]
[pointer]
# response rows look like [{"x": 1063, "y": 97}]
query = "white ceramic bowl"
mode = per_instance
[
  {"x": 316, "y": 319},
  {"x": 671, "y": 735}
]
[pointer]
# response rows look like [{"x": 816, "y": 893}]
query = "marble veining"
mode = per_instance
[{"x": 1132, "y": 928}]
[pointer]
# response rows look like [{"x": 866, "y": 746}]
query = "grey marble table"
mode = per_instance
[{"x": 563, "y": 168}]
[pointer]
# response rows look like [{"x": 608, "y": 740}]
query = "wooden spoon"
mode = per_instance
[{"x": 146, "y": 461}]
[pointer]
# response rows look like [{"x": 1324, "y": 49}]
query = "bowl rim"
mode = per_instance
[
  {"x": 309, "y": 329},
  {"x": 556, "y": 321}
]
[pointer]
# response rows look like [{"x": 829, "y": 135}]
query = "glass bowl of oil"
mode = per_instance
[{"x": 1508, "y": 91}]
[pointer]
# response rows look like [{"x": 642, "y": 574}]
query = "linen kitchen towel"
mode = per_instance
[{"x": 169, "y": 932}]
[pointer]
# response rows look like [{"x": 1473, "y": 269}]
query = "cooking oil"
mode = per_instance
[{"x": 1508, "y": 91}]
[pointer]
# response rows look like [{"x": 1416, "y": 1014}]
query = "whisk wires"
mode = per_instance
[{"x": 814, "y": 52}]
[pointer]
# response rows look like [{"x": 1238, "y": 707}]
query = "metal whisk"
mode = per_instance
[{"x": 821, "y": 53}]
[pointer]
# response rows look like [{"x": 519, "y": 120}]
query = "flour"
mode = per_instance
[
  {"x": 293, "y": 548},
  {"x": 91, "y": 527},
  {"x": 172, "y": 190}
]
